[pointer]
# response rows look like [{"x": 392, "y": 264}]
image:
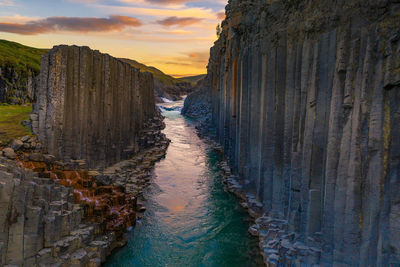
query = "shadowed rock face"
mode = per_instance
[
  {"x": 306, "y": 100},
  {"x": 91, "y": 106},
  {"x": 17, "y": 88},
  {"x": 42, "y": 225}
]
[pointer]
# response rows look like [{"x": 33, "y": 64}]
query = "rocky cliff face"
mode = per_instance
[
  {"x": 17, "y": 87},
  {"x": 171, "y": 92},
  {"x": 165, "y": 86},
  {"x": 306, "y": 100},
  {"x": 91, "y": 106},
  {"x": 42, "y": 225}
]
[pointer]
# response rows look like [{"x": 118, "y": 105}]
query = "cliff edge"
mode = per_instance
[{"x": 305, "y": 96}]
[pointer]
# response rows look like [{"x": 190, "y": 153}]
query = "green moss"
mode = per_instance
[
  {"x": 10, "y": 121},
  {"x": 21, "y": 58}
]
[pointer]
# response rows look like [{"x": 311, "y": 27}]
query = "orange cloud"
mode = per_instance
[
  {"x": 167, "y": 2},
  {"x": 71, "y": 24},
  {"x": 172, "y": 21},
  {"x": 221, "y": 15}
]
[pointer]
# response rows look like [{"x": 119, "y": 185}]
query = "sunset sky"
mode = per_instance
[{"x": 172, "y": 35}]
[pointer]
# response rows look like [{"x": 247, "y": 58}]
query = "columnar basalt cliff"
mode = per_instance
[
  {"x": 91, "y": 106},
  {"x": 306, "y": 99},
  {"x": 43, "y": 225}
]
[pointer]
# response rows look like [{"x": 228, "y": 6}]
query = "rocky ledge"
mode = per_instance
[
  {"x": 43, "y": 224},
  {"x": 279, "y": 244},
  {"x": 63, "y": 214}
]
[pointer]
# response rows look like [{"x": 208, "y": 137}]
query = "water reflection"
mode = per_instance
[{"x": 190, "y": 220}]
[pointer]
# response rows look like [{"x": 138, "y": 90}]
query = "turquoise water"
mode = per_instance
[{"x": 190, "y": 219}]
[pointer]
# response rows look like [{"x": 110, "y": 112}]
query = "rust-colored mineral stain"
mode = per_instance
[{"x": 107, "y": 205}]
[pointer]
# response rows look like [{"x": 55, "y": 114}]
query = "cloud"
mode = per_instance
[
  {"x": 158, "y": 2},
  {"x": 167, "y": 2},
  {"x": 70, "y": 24},
  {"x": 175, "y": 21},
  {"x": 142, "y": 11},
  {"x": 194, "y": 59},
  {"x": 7, "y": 3},
  {"x": 221, "y": 15}
]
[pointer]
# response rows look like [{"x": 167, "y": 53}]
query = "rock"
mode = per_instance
[
  {"x": 33, "y": 117},
  {"x": 25, "y": 138},
  {"x": 303, "y": 96},
  {"x": 104, "y": 179},
  {"x": 16, "y": 144},
  {"x": 62, "y": 135},
  {"x": 36, "y": 157},
  {"x": 140, "y": 208},
  {"x": 26, "y": 146},
  {"x": 9, "y": 153},
  {"x": 286, "y": 244},
  {"x": 253, "y": 230},
  {"x": 33, "y": 145},
  {"x": 44, "y": 226},
  {"x": 49, "y": 159},
  {"x": 273, "y": 258}
]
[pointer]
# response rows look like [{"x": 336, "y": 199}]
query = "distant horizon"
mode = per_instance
[
  {"x": 173, "y": 36},
  {"x": 177, "y": 76}
]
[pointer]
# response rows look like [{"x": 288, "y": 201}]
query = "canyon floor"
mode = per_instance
[{"x": 190, "y": 219}]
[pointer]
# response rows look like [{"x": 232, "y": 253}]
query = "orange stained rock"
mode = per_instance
[{"x": 108, "y": 205}]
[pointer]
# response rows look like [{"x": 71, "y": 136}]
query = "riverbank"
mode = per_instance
[
  {"x": 189, "y": 220},
  {"x": 275, "y": 239},
  {"x": 63, "y": 213}
]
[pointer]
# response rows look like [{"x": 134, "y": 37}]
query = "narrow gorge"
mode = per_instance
[
  {"x": 305, "y": 101},
  {"x": 286, "y": 153}
]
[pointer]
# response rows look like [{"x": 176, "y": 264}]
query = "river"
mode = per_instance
[{"x": 190, "y": 220}]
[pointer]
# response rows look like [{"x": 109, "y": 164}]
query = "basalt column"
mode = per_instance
[
  {"x": 305, "y": 101},
  {"x": 92, "y": 106}
]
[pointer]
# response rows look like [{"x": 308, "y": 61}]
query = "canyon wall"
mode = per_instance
[
  {"x": 306, "y": 101},
  {"x": 42, "y": 225},
  {"x": 91, "y": 106},
  {"x": 17, "y": 87}
]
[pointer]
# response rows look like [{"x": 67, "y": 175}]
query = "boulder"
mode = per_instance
[
  {"x": 25, "y": 138},
  {"x": 16, "y": 144},
  {"x": 49, "y": 159},
  {"x": 9, "y": 153},
  {"x": 36, "y": 157}
]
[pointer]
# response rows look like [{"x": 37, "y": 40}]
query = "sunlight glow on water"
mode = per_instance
[{"x": 190, "y": 220}]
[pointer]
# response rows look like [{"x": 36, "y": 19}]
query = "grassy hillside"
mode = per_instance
[
  {"x": 158, "y": 74},
  {"x": 18, "y": 62},
  {"x": 193, "y": 79},
  {"x": 10, "y": 122},
  {"x": 21, "y": 58}
]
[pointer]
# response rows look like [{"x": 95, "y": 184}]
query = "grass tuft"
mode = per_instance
[{"x": 10, "y": 121}]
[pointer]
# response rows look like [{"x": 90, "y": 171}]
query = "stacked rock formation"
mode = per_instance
[
  {"x": 58, "y": 214},
  {"x": 41, "y": 225},
  {"x": 91, "y": 106},
  {"x": 306, "y": 100}
]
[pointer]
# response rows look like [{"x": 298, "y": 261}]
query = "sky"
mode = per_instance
[{"x": 172, "y": 35}]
